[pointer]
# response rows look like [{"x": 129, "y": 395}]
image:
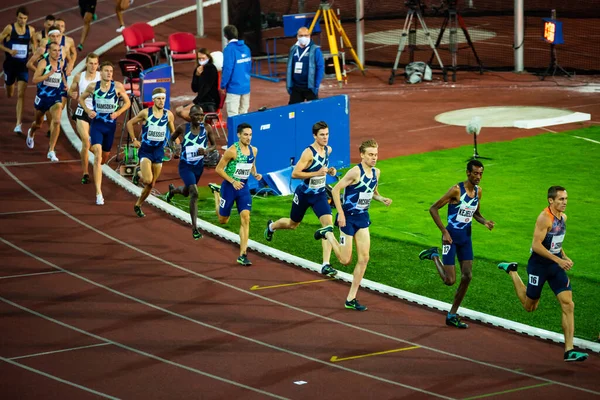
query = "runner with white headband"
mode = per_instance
[{"x": 158, "y": 123}]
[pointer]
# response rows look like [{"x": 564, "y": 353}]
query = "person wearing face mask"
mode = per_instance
[
  {"x": 205, "y": 83},
  {"x": 305, "y": 69}
]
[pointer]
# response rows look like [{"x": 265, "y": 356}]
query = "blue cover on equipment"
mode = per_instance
[
  {"x": 293, "y": 22},
  {"x": 282, "y": 133},
  {"x": 157, "y": 76}
]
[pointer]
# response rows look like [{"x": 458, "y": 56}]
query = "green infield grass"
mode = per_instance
[{"x": 514, "y": 185}]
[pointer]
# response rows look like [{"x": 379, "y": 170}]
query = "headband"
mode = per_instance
[
  {"x": 53, "y": 31},
  {"x": 159, "y": 95}
]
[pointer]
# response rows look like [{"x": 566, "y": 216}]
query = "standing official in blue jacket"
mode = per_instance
[
  {"x": 235, "y": 76},
  {"x": 305, "y": 69}
]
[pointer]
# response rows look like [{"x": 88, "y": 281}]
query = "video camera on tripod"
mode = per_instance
[{"x": 414, "y": 4}]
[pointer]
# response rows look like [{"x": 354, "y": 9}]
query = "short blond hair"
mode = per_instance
[
  {"x": 159, "y": 90},
  {"x": 366, "y": 144}
]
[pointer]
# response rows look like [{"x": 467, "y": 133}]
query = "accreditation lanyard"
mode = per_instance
[{"x": 303, "y": 53}]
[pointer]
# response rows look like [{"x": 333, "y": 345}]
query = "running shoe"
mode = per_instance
[
  {"x": 138, "y": 211},
  {"x": 99, "y": 200},
  {"x": 508, "y": 266},
  {"x": 268, "y": 232},
  {"x": 85, "y": 179},
  {"x": 328, "y": 270},
  {"x": 171, "y": 194},
  {"x": 18, "y": 129},
  {"x": 355, "y": 305},
  {"x": 136, "y": 178},
  {"x": 320, "y": 233},
  {"x": 196, "y": 234},
  {"x": 95, "y": 16},
  {"x": 214, "y": 187},
  {"x": 573, "y": 355},
  {"x": 29, "y": 140},
  {"x": 454, "y": 320},
  {"x": 52, "y": 156},
  {"x": 79, "y": 47},
  {"x": 48, "y": 134},
  {"x": 120, "y": 29},
  {"x": 429, "y": 253},
  {"x": 243, "y": 259}
]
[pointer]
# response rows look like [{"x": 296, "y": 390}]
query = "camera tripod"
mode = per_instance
[
  {"x": 331, "y": 22},
  {"x": 406, "y": 30},
  {"x": 453, "y": 20}
]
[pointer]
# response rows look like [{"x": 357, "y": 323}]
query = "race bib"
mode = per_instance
[
  {"x": 105, "y": 106},
  {"x": 191, "y": 153},
  {"x": 156, "y": 133},
  {"x": 53, "y": 80},
  {"x": 79, "y": 111},
  {"x": 37, "y": 101},
  {"x": 21, "y": 51},
  {"x": 556, "y": 245},
  {"x": 298, "y": 67},
  {"x": 364, "y": 200},
  {"x": 445, "y": 249},
  {"x": 242, "y": 171},
  {"x": 316, "y": 182},
  {"x": 465, "y": 212}
]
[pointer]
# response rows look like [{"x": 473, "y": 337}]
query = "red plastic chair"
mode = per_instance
[
  {"x": 147, "y": 33},
  {"x": 133, "y": 42},
  {"x": 182, "y": 47}
]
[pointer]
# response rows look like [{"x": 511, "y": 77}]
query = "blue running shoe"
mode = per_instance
[
  {"x": 170, "y": 195},
  {"x": 508, "y": 266},
  {"x": 328, "y": 270},
  {"x": 243, "y": 259},
  {"x": 138, "y": 211},
  {"x": 196, "y": 234},
  {"x": 573, "y": 355},
  {"x": 214, "y": 187},
  {"x": 136, "y": 178},
  {"x": 429, "y": 253},
  {"x": 268, "y": 232},
  {"x": 355, "y": 305},
  {"x": 454, "y": 320}
]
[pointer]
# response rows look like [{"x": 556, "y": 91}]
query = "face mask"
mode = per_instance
[
  {"x": 304, "y": 41},
  {"x": 202, "y": 62}
]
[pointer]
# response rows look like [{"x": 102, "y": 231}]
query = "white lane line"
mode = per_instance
[
  {"x": 19, "y": 164},
  {"x": 267, "y": 299},
  {"x": 588, "y": 139},
  {"x": 19, "y": 5},
  {"x": 56, "y": 378},
  {"x": 205, "y": 325},
  {"x": 134, "y": 350},
  {"x": 58, "y": 13},
  {"x": 59, "y": 351},
  {"x": 27, "y": 211},
  {"x": 32, "y": 274},
  {"x": 548, "y": 130},
  {"x": 113, "y": 15}
]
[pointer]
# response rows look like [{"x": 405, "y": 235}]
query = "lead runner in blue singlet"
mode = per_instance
[
  {"x": 14, "y": 41},
  {"x": 463, "y": 201},
  {"x": 313, "y": 168},
  {"x": 549, "y": 263},
  {"x": 196, "y": 136},
  {"x": 158, "y": 123},
  {"x": 105, "y": 95},
  {"x": 360, "y": 184}
]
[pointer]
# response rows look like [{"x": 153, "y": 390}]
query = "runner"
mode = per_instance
[
  {"x": 191, "y": 164},
  {"x": 87, "y": 9},
  {"x": 360, "y": 184},
  {"x": 121, "y": 6},
  {"x": 235, "y": 167},
  {"x": 81, "y": 81},
  {"x": 313, "y": 169},
  {"x": 156, "y": 129},
  {"x": 14, "y": 41},
  {"x": 105, "y": 95}
]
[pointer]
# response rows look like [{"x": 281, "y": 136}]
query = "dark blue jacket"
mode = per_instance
[
  {"x": 316, "y": 67},
  {"x": 237, "y": 63}
]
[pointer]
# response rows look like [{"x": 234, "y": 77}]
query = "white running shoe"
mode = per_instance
[
  {"x": 121, "y": 28},
  {"x": 18, "y": 129},
  {"x": 130, "y": 2},
  {"x": 52, "y": 156},
  {"x": 29, "y": 140},
  {"x": 99, "y": 200}
]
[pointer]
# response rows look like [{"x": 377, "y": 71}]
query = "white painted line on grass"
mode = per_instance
[
  {"x": 45, "y": 353},
  {"x": 587, "y": 139},
  {"x": 27, "y": 275},
  {"x": 56, "y": 378},
  {"x": 27, "y": 212}
]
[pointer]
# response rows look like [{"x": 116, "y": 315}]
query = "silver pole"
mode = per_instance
[
  {"x": 360, "y": 30},
  {"x": 200, "y": 18},
  {"x": 224, "y": 20},
  {"x": 519, "y": 35}
]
